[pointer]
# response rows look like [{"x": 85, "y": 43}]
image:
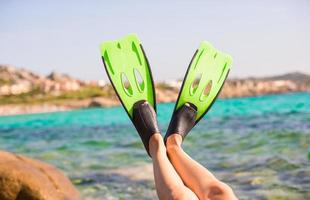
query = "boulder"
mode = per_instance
[{"x": 22, "y": 178}]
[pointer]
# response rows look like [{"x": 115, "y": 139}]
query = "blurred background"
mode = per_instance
[
  {"x": 57, "y": 105},
  {"x": 264, "y": 37}
]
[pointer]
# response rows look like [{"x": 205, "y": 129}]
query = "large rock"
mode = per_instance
[{"x": 22, "y": 178}]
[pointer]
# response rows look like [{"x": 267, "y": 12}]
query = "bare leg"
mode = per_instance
[
  {"x": 168, "y": 183},
  {"x": 202, "y": 182}
]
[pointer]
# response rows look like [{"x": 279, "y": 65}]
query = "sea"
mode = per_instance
[{"x": 260, "y": 146}]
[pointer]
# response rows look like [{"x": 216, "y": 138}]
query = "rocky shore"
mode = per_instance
[
  {"x": 25, "y": 178},
  {"x": 22, "y": 91}
]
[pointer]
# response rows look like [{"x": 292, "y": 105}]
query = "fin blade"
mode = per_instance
[
  {"x": 213, "y": 66},
  {"x": 121, "y": 59}
]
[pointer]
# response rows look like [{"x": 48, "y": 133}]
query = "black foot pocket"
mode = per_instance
[
  {"x": 144, "y": 119},
  {"x": 182, "y": 121}
]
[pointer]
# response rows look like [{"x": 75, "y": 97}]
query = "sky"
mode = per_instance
[{"x": 266, "y": 37}]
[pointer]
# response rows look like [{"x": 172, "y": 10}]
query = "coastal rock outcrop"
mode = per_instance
[
  {"x": 22, "y": 178},
  {"x": 22, "y": 91},
  {"x": 15, "y": 81}
]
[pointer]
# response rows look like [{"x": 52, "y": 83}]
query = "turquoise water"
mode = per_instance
[{"x": 258, "y": 145}]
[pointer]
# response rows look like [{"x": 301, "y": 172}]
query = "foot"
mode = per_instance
[
  {"x": 144, "y": 118},
  {"x": 182, "y": 121}
]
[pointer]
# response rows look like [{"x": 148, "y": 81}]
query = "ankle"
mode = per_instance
[
  {"x": 156, "y": 144},
  {"x": 174, "y": 141}
]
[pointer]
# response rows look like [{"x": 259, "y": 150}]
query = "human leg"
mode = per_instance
[
  {"x": 196, "y": 177},
  {"x": 168, "y": 183}
]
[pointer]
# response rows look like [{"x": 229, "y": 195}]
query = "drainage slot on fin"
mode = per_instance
[
  {"x": 206, "y": 91},
  {"x": 198, "y": 58},
  {"x": 139, "y": 80},
  {"x": 195, "y": 84},
  {"x": 106, "y": 60},
  {"x": 126, "y": 84},
  {"x": 223, "y": 70},
  {"x": 135, "y": 50},
  {"x": 215, "y": 55}
]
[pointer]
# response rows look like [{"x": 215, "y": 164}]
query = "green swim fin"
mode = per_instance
[
  {"x": 203, "y": 81},
  {"x": 129, "y": 72}
]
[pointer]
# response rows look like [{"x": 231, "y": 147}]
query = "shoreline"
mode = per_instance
[{"x": 98, "y": 102}]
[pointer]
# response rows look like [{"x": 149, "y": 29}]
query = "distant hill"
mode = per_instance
[{"x": 295, "y": 76}]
